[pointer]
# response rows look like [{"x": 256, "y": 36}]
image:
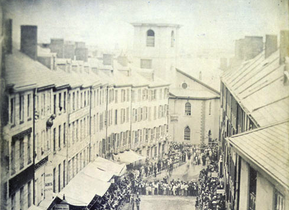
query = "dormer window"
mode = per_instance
[{"x": 150, "y": 38}]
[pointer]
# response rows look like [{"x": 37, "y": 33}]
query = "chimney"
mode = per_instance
[
  {"x": 29, "y": 41},
  {"x": 223, "y": 63},
  {"x": 8, "y": 36},
  {"x": 122, "y": 60},
  {"x": 270, "y": 45},
  {"x": 253, "y": 46},
  {"x": 57, "y": 46},
  {"x": 284, "y": 46},
  {"x": 107, "y": 59}
]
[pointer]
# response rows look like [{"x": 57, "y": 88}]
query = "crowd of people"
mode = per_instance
[
  {"x": 127, "y": 189},
  {"x": 209, "y": 198}
]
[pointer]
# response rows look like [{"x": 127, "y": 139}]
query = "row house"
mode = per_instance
[
  {"x": 254, "y": 124},
  {"x": 60, "y": 114}
]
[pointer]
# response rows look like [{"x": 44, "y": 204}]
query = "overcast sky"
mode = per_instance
[{"x": 205, "y": 23}]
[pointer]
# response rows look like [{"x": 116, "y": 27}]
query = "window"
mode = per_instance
[
  {"x": 64, "y": 102},
  {"x": 12, "y": 111},
  {"x": 29, "y": 148},
  {"x": 158, "y": 133},
  {"x": 252, "y": 188},
  {"x": 127, "y": 95},
  {"x": 21, "y": 109},
  {"x": 28, "y": 106},
  {"x": 13, "y": 157},
  {"x": 59, "y": 173},
  {"x": 187, "y": 134},
  {"x": 21, "y": 154},
  {"x": 172, "y": 39},
  {"x": 155, "y": 94},
  {"x": 149, "y": 113},
  {"x": 115, "y": 117},
  {"x": 54, "y": 104},
  {"x": 133, "y": 96},
  {"x": 84, "y": 99},
  {"x": 146, "y": 63},
  {"x": 122, "y": 115},
  {"x": 63, "y": 178},
  {"x": 54, "y": 177},
  {"x": 64, "y": 134},
  {"x": 279, "y": 201},
  {"x": 210, "y": 107},
  {"x": 127, "y": 114},
  {"x": 13, "y": 202},
  {"x": 29, "y": 193},
  {"x": 59, "y": 137},
  {"x": 115, "y": 98},
  {"x": 139, "y": 114},
  {"x": 188, "y": 108},
  {"x": 145, "y": 113},
  {"x": 122, "y": 95},
  {"x": 59, "y": 102},
  {"x": 144, "y": 94},
  {"x": 54, "y": 139},
  {"x": 150, "y": 38},
  {"x": 184, "y": 85}
]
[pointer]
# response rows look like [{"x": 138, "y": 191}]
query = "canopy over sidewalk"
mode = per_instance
[
  {"x": 106, "y": 165},
  {"x": 129, "y": 157},
  {"x": 94, "y": 179}
]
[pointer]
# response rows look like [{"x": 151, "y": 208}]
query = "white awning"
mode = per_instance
[
  {"x": 129, "y": 157},
  {"x": 109, "y": 166},
  {"x": 89, "y": 182}
]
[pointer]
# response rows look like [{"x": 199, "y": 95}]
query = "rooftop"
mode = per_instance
[
  {"x": 258, "y": 87},
  {"x": 268, "y": 148}
]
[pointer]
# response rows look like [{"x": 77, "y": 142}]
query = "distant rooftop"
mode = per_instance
[{"x": 158, "y": 23}]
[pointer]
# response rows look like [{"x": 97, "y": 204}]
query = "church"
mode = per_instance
[{"x": 193, "y": 105}]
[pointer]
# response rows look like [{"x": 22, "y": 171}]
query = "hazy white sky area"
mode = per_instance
[{"x": 205, "y": 23}]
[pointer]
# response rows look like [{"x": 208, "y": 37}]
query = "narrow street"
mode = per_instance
[{"x": 169, "y": 202}]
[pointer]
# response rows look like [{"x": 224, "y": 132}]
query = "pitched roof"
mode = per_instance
[
  {"x": 186, "y": 93},
  {"x": 258, "y": 87},
  {"x": 24, "y": 72},
  {"x": 268, "y": 148},
  {"x": 198, "y": 81}
]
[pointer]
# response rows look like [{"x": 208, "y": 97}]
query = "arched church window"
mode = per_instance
[
  {"x": 187, "y": 133},
  {"x": 150, "y": 38},
  {"x": 188, "y": 108}
]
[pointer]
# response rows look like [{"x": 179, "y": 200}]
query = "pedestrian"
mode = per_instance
[
  {"x": 137, "y": 201},
  {"x": 132, "y": 202}
]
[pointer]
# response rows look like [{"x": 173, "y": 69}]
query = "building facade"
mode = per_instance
[
  {"x": 194, "y": 111},
  {"x": 60, "y": 114},
  {"x": 254, "y": 124}
]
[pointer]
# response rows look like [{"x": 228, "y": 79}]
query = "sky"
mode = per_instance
[{"x": 206, "y": 24}]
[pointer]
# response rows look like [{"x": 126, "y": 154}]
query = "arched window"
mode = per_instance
[
  {"x": 188, "y": 108},
  {"x": 150, "y": 38},
  {"x": 187, "y": 133},
  {"x": 172, "y": 39}
]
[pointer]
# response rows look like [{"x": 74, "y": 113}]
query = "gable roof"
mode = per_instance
[
  {"x": 268, "y": 148},
  {"x": 198, "y": 81},
  {"x": 258, "y": 87}
]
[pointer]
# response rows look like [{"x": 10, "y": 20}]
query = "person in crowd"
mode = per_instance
[{"x": 137, "y": 201}]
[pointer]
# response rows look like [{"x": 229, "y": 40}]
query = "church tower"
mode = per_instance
[{"x": 155, "y": 48}]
